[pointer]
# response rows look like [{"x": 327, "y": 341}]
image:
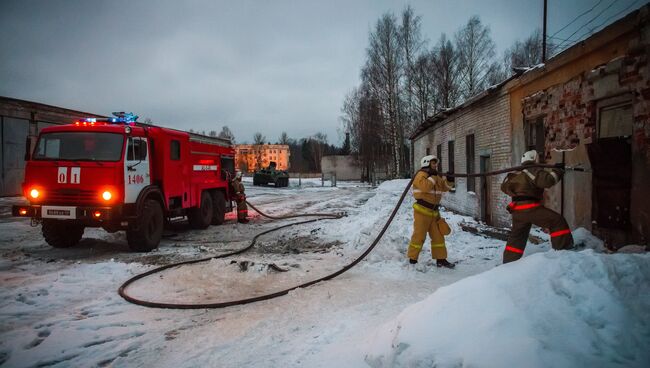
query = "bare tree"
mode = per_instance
[
  {"x": 475, "y": 53},
  {"x": 284, "y": 138},
  {"x": 445, "y": 65},
  {"x": 258, "y": 138},
  {"x": 497, "y": 73},
  {"x": 382, "y": 72},
  {"x": 317, "y": 145},
  {"x": 213, "y": 133},
  {"x": 411, "y": 43},
  {"x": 225, "y": 133},
  {"x": 526, "y": 53},
  {"x": 424, "y": 87}
]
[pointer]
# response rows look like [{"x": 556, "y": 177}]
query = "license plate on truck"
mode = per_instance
[{"x": 59, "y": 212}]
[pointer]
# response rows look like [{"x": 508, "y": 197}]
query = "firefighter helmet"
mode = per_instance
[
  {"x": 529, "y": 156},
  {"x": 237, "y": 174},
  {"x": 427, "y": 159}
]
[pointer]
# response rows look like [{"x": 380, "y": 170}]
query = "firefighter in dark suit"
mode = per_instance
[
  {"x": 240, "y": 198},
  {"x": 526, "y": 188}
]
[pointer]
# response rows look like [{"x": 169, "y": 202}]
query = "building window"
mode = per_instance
[
  {"x": 450, "y": 152},
  {"x": 428, "y": 151},
  {"x": 175, "y": 150},
  {"x": 616, "y": 121},
  {"x": 535, "y": 135},
  {"x": 469, "y": 154},
  {"x": 439, "y": 155}
]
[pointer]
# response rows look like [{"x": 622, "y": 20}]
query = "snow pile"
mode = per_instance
[
  {"x": 364, "y": 223},
  {"x": 556, "y": 309}
]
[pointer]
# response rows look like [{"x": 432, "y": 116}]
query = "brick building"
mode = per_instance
[
  {"x": 473, "y": 137},
  {"x": 588, "y": 106},
  {"x": 250, "y": 157},
  {"x": 20, "y": 119}
]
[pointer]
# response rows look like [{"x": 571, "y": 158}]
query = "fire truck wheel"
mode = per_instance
[
  {"x": 62, "y": 234},
  {"x": 219, "y": 206},
  {"x": 200, "y": 218},
  {"x": 149, "y": 233}
]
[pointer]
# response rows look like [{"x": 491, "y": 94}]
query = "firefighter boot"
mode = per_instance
[
  {"x": 444, "y": 263},
  {"x": 413, "y": 261},
  {"x": 243, "y": 220}
]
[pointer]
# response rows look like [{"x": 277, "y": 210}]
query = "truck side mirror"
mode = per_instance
[{"x": 28, "y": 148}]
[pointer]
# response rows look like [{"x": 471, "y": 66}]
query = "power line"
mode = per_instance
[
  {"x": 569, "y": 42},
  {"x": 576, "y": 18},
  {"x": 589, "y": 22},
  {"x": 590, "y": 32}
]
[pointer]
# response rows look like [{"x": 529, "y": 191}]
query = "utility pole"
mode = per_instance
[{"x": 544, "y": 35}]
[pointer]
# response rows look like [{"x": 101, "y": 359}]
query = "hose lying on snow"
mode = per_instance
[
  {"x": 122, "y": 289},
  {"x": 321, "y": 216}
]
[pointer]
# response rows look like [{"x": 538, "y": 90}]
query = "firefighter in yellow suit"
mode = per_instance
[{"x": 428, "y": 187}]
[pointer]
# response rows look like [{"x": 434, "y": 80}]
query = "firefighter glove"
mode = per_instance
[{"x": 450, "y": 177}]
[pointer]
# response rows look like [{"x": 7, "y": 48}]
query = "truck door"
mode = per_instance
[{"x": 136, "y": 168}]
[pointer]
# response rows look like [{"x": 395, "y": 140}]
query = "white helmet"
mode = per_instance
[
  {"x": 529, "y": 156},
  {"x": 238, "y": 174},
  {"x": 427, "y": 159}
]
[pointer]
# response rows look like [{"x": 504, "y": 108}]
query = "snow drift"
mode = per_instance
[{"x": 554, "y": 309}]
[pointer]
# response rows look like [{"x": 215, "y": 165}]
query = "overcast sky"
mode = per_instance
[{"x": 267, "y": 66}]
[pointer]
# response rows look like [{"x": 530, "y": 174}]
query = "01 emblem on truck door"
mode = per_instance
[{"x": 74, "y": 177}]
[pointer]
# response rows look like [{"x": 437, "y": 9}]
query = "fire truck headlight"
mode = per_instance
[
  {"x": 107, "y": 195},
  {"x": 34, "y": 193}
]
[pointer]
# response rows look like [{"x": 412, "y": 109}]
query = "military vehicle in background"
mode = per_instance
[{"x": 271, "y": 175}]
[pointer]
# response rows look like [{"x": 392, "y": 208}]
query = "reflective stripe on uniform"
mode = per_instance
[
  {"x": 439, "y": 245},
  {"x": 431, "y": 179},
  {"x": 560, "y": 233},
  {"x": 514, "y": 250},
  {"x": 530, "y": 175},
  {"x": 243, "y": 211},
  {"x": 555, "y": 176},
  {"x": 428, "y": 191},
  {"x": 416, "y": 246},
  {"x": 425, "y": 211},
  {"x": 528, "y": 206}
]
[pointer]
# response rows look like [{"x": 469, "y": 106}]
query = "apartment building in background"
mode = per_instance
[{"x": 251, "y": 157}]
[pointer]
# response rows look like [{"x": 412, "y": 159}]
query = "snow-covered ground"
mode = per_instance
[{"x": 59, "y": 307}]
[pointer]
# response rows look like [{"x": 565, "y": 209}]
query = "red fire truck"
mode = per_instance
[{"x": 117, "y": 174}]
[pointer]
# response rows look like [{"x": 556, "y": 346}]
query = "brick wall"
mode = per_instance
[
  {"x": 488, "y": 120},
  {"x": 570, "y": 112}
]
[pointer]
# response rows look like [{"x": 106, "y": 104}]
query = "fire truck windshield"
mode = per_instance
[{"x": 79, "y": 146}]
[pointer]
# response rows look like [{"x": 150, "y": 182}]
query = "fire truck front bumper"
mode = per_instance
[{"x": 88, "y": 214}]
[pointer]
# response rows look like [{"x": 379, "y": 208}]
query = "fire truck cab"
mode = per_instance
[{"x": 117, "y": 174}]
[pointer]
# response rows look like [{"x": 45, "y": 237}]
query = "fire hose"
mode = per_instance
[{"x": 320, "y": 216}]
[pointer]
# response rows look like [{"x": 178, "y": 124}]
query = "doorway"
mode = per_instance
[
  {"x": 611, "y": 160},
  {"x": 486, "y": 213}
]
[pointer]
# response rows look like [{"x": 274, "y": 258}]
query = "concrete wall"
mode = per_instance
[
  {"x": 344, "y": 167},
  {"x": 18, "y": 120},
  {"x": 607, "y": 69},
  {"x": 488, "y": 120}
]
